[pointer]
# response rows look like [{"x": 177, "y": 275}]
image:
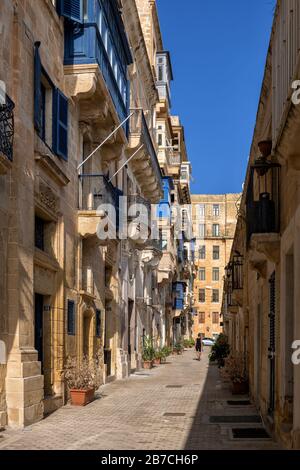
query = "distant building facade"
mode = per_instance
[{"x": 214, "y": 222}]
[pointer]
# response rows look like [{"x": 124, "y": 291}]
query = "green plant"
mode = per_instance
[
  {"x": 158, "y": 354},
  {"x": 220, "y": 350},
  {"x": 166, "y": 351},
  {"x": 148, "y": 349},
  {"x": 192, "y": 343},
  {"x": 178, "y": 347}
]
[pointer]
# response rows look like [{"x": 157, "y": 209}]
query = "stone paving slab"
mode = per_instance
[{"x": 130, "y": 414}]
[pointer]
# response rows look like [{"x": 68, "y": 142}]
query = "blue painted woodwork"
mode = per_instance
[{"x": 101, "y": 40}]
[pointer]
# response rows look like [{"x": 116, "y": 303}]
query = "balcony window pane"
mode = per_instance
[
  {"x": 202, "y": 295},
  {"x": 202, "y": 317},
  {"x": 202, "y": 230},
  {"x": 215, "y": 296},
  {"x": 202, "y": 210},
  {"x": 216, "y": 274},
  {"x": 216, "y": 210},
  {"x": 216, "y": 230},
  {"x": 216, "y": 252},
  {"x": 202, "y": 274}
]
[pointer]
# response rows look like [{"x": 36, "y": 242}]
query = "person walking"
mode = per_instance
[{"x": 198, "y": 347}]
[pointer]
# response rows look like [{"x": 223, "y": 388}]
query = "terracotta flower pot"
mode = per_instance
[
  {"x": 157, "y": 362},
  {"x": 147, "y": 364},
  {"x": 82, "y": 397},
  {"x": 240, "y": 388}
]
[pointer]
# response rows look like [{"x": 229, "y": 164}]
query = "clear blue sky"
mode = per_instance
[{"x": 218, "y": 51}]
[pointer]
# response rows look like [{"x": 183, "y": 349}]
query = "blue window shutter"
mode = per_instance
[
  {"x": 71, "y": 9},
  {"x": 60, "y": 124},
  {"x": 37, "y": 88},
  {"x": 71, "y": 317}
]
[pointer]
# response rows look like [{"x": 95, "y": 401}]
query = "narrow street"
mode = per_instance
[{"x": 137, "y": 414}]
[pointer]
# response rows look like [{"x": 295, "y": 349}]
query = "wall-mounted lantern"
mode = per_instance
[
  {"x": 263, "y": 194},
  {"x": 237, "y": 271}
]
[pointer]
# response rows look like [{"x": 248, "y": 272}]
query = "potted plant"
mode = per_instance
[
  {"x": 178, "y": 348},
  {"x": 220, "y": 350},
  {"x": 165, "y": 352},
  {"x": 148, "y": 353},
  {"x": 83, "y": 378},
  {"x": 158, "y": 355},
  {"x": 235, "y": 368}
]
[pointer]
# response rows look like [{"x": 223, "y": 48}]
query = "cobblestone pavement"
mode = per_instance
[{"x": 131, "y": 414}]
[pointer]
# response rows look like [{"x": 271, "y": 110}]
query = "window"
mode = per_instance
[
  {"x": 202, "y": 296},
  {"x": 39, "y": 233},
  {"x": 159, "y": 140},
  {"x": 71, "y": 317},
  {"x": 216, "y": 274},
  {"x": 50, "y": 110},
  {"x": 163, "y": 239},
  {"x": 160, "y": 73},
  {"x": 202, "y": 230},
  {"x": 201, "y": 210},
  {"x": 215, "y": 318},
  {"x": 202, "y": 274},
  {"x": 216, "y": 252},
  {"x": 98, "y": 323},
  {"x": 215, "y": 296},
  {"x": 201, "y": 317},
  {"x": 202, "y": 252},
  {"x": 216, "y": 230},
  {"x": 216, "y": 210}
]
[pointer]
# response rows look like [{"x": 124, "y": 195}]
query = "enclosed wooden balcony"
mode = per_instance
[
  {"x": 139, "y": 220},
  {"x": 97, "y": 54},
  {"x": 98, "y": 201},
  {"x": 144, "y": 161}
]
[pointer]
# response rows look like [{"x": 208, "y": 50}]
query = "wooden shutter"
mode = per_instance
[
  {"x": 60, "y": 124},
  {"x": 71, "y": 9},
  {"x": 37, "y": 89},
  {"x": 98, "y": 323},
  {"x": 71, "y": 317}
]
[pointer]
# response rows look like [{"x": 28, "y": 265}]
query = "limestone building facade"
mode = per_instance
[
  {"x": 261, "y": 308},
  {"x": 214, "y": 222},
  {"x": 82, "y": 92}
]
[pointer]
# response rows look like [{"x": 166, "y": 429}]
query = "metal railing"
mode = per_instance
[{"x": 6, "y": 126}]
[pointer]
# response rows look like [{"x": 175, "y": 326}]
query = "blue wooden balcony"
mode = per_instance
[{"x": 101, "y": 39}]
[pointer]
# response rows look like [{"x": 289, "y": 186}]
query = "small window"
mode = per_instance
[
  {"x": 215, "y": 318},
  {"x": 201, "y": 317},
  {"x": 39, "y": 233},
  {"x": 98, "y": 323},
  {"x": 216, "y": 210},
  {"x": 159, "y": 140},
  {"x": 202, "y": 274},
  {"x": 202, "y": 252},
  {"x": 201, "y": 210},
  {"x": 215, "y": 296},
  {"x": 71, "y": 318},
  {"x": 202, "y": 230},
  {"x": 216, "y": 230},
  {"x": 202, "y": 296},
  {"x": 216, "y": 252},
  {"x": 216, "y": 274}
]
